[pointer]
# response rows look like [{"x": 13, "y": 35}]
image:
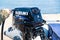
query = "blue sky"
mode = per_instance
[{"x": 46, "y": 6}]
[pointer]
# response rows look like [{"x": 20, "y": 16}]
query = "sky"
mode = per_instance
[{"x": 46, "y": 6}]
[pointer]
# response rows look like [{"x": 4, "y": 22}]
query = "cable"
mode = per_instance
[{"x": 2, "y": 30}]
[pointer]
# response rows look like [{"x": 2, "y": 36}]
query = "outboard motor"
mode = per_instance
[{"x": 29, "y": 21}]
